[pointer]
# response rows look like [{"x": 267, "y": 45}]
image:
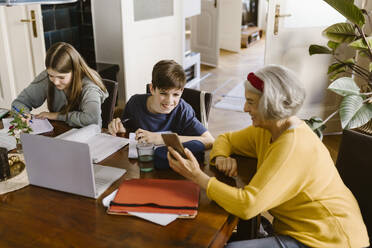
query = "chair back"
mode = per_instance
[
  {"x": 108, "y": 106},
  {"x": 354, "y": 163},
  {"x": 200, "y": 101}
]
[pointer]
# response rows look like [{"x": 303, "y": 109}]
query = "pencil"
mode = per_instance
[{"x": 19, "y": 112}]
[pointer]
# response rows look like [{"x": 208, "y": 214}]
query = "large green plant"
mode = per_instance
[{"x": 356, "y": 106}]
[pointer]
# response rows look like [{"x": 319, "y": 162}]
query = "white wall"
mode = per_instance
[
  {"x": 262, "y": 14},
  {"x": 107, "y": 26}
]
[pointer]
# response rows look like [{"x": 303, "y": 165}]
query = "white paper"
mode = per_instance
[
  {"x": 38, "y": 125},
  {"x": 106, "y": 201},
  {"x": 132, "y": 152},
  {"x": 158, "y": 218},
  {"x": 7, "y": 141},
  {"x": 101, "y": 145},
  {"x": 161, "y": 219}
]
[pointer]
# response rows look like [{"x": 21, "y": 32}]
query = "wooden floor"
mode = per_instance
[{"x": 232, "y": 69}]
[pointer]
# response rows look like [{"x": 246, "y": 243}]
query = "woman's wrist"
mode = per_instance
[{"x": 202, "y": 179}]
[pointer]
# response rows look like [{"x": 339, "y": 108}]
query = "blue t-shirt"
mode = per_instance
[{"x": 181, "y": 120}]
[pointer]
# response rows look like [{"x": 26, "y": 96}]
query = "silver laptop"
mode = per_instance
[{"x": 66, "y": 166}]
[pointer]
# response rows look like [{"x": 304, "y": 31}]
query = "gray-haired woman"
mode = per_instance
[{"x": 296, "y": 180}]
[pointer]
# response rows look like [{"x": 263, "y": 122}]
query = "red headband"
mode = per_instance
[{"x": 255, "y": 81}]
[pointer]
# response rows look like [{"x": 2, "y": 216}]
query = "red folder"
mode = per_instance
[{"x": 156, "y": 196}]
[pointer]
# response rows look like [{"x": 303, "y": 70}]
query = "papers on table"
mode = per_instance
[
  {"x": 38, "y": 125},
  {"x": 132, "y": 152},
  {"x": 7, "y": 141},
  {"x": 101, "y": 145},
  {"x": 161, "y": 219}
]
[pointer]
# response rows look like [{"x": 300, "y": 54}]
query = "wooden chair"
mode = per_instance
[
  {"x": 108, "y": 106},
  {"x": 354, "y": 163},
  {"x": 200, "y": 101}
]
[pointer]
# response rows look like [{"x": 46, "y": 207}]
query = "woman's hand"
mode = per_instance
[
  {"x": 148, "y": 137},
  {"x": 116, "y": 126},
  {"x": 188, "y": 168},
  {"x": 227, "y": 165},
  {"x": 47, "y": 115}
]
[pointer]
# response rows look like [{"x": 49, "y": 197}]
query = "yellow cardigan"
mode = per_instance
[{"x": 297, "y": 182}]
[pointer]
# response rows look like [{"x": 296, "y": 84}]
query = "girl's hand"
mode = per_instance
[
  {"x": 27, "y": 119},
  {"x": 188, "y": 168},
  {"x": 227, "y": 165},
  {"x": 148, "y": 137},
  {"x": 47, "y": 115},
  {"x": 116, "y": 126}
]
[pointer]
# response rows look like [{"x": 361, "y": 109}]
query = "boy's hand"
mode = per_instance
[
  {"x": 116, "y": 126},
  {"x": 227, "y": 165},
  {"x": 148, "y": 137}
]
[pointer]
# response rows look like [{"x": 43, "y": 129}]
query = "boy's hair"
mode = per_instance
[{"x": 168, "y": 74}]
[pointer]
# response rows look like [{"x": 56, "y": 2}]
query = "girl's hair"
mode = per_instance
[
  {"x": 282, "y": 95},
  {"x": 63, "y": 58}
]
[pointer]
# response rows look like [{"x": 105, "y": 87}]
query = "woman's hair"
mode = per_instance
[
  {"x": 282, "y": 95},
  {"x": 63, "y": 58},
  {"x": 168, "y": 74}
]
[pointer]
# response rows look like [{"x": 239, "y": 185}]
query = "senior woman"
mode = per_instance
[{"x": 296, "y": 180}]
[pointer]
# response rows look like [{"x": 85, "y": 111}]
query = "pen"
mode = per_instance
[
  {"x": 19, "y": 112},
  {"x": 125, "y": 120}
]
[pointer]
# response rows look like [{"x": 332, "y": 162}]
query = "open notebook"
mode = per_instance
[
  {"x": 66, "y": 166},
  {"x": 38, "y": 125},
  {"x": 101, "y": 145}
]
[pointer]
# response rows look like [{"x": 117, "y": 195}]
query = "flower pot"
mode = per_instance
[{"x": 19, "y": 147}]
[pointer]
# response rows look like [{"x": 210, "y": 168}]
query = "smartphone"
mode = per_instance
[{"x": 172, "y": 140}]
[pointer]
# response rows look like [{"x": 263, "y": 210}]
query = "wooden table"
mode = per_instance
[{"x": 40, "y": 217}]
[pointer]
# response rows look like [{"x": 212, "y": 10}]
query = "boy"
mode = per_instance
[{"x": 163, "y": 110}]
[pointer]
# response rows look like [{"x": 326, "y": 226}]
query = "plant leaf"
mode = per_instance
[
  {"x": 336, "y": 74},
  {"x": 348, "y": 10},
  {"x": 359, "y": 43},
  {"x": 340, "y": 32},
  {"x": 316, "y": 49},
  {"x": 363, "y": 53},
  {"x": 370, "y": 67},
  {"x": 340, "y": 67},
  {"x": 333, "y": 45},
  {"x": 335, "y": 67},
  {"x": 344, "y": 86},
  {"x": 353, "y": 113}
]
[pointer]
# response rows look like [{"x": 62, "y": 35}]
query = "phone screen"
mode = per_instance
[{"x": 172, "y": 140}]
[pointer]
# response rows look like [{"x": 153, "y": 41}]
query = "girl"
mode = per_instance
[{"x": 74, "y": 92}]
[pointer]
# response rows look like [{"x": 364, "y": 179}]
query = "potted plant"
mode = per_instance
[
  {"x": 356, "y": 106},
  {"x": 18, "y": 126}
]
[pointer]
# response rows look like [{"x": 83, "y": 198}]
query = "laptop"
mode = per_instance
[{"x": 66, "y": 166}]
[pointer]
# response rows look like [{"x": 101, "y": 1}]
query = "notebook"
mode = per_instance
[
  {"x": 156, "y": 196},
  {"x": 66, "y": 166},
  {"x": 38, "y": 125}
]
